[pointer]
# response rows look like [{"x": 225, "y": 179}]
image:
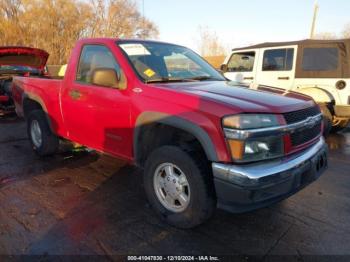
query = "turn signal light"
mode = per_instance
[{"x": 237, "y": 148}]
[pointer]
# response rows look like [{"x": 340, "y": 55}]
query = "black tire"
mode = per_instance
[
  {"x": 339, "y": 127},
  {"x": 202, "y": 201},
  {"x": 49, "y": 141},
  {"x": 327, "y": 120}
]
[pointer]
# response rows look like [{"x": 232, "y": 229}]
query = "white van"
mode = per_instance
[{"x": 318, "y": 68}]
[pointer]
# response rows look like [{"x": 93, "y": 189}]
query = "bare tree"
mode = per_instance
[
  {"x": 10, "y": 8},
  {"x": 55, "y": 25},
  {"x": 346, "y": 31},
  {"x": 120, "y": 18},
  {"x": 10, "y": 13},
  {"x": 331, "y": 35},
  {"x": 209, "y": 43},
  {"x": 325, "y": 36}
]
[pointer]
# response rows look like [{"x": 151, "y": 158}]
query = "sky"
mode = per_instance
[{"x": 244, "y": 22}]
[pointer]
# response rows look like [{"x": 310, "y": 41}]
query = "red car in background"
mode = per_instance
[{"x": 18, "y": 61}]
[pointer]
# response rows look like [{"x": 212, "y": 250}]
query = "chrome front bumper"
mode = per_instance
[{"x": 249, "y": 186}]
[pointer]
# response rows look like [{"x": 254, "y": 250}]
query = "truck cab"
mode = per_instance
[{"x": 318, "y": 68}]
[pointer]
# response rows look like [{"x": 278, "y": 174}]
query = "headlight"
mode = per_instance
[
  {"x": 254, "y": 149},
  {"x": 247, "y": 121}
]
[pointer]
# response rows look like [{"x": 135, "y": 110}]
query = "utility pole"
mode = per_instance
[
  {"x": 313, "y": 25},
  {"x": 143, "y": 19}
]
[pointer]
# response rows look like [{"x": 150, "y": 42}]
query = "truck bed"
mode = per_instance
[{"x": 43, "y": 90}]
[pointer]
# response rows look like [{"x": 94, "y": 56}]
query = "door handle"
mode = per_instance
[
  {"x": 248, "y": 78},
  {"x": 283, "y": 78},
  {"x": 75, "y": 94}
]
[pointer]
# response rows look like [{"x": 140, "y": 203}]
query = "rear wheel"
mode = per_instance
[
  {"x": 179, "y": 187},
  {"x": 43, "y": 141}
]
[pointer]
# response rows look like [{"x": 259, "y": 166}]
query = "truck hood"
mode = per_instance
[
  {"x": 262, "y": 99},
  {"x": 23, "y": 56}
]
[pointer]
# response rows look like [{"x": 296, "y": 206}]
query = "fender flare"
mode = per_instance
[
  {"x": 175, "y": 121},
  {"x": 325, "y": 97},
  {"x": 39, "y": 101}
]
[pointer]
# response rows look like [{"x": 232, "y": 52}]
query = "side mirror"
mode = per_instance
[
  {"x": 105, "y": 77},
  {"x": 223, "y": 68}
]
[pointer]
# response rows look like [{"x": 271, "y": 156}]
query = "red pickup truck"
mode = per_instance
[{"x": 202, "y": 141}]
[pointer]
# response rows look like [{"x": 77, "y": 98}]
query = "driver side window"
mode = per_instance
[{"x": 95, "y": 57}]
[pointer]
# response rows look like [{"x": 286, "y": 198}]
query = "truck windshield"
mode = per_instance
[{"x": 161, "y": 62}]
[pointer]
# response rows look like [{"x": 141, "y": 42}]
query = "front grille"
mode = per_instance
[
  {"x": 300, "y": 115},
  {"x": 306, "y": 135}
]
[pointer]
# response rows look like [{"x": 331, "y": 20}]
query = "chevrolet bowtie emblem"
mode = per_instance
[{"x": 311, "y": 121}]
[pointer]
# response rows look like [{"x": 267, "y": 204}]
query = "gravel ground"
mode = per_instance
[{"x": 87, "y": 204}]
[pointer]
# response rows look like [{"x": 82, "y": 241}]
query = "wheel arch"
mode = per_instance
[
  {"x": 151, "y": 119},
  {"x": 31, "y": 103},
  {"x": 320, "y": 95}
]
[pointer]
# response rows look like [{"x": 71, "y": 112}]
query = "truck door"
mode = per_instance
[
  {"x": 276, "y": 67},
  {"x": 98, "y": 116},
  {"x": 241, "y": 66}
]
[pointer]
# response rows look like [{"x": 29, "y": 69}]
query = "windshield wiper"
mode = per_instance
[
  {"x": 203, "y": 78},
  {"x": 167, "y": 80},
  {"x": 192, "y": 79}
]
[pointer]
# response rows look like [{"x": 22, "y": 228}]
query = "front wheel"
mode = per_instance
[
  {"x": 43, "y": 141},
  {"x": 179, "y": 186}
]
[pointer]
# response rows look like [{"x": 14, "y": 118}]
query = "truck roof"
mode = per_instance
[
  {"x": 126, "y": 40},
  {"x": 343, "y": 45},
  {"x": 299, "y": 42}
]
